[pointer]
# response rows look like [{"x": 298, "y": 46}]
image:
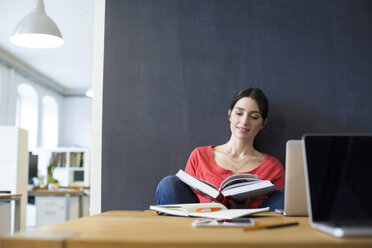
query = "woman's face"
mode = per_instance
[{"x": 245, "y": 119}]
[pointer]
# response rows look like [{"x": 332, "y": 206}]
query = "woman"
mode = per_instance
[{"x": 247, "y": 116}]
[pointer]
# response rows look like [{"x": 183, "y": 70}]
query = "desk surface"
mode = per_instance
[
  {"x": 59, "y": 191},
  {"x": 10, "y": 196},
  {"x": 146, "y": 229}
]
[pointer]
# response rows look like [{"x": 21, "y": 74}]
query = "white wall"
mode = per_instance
[
  {"x": 8, "y": 96},
  {"x": 76, "y": 122},
  {"x": 75, "y": 113},
  {"x": 96, "y": 167},
  {"x": 18, "y": 79},
  {"x": 10, "y": 80}
]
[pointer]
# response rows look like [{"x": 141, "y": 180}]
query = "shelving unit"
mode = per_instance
[
  {"x": 72, "y": 165},
  {"x": 71, "y": 169}
]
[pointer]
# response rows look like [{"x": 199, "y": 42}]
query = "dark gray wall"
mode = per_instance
[{"x": 172, "y": 66}]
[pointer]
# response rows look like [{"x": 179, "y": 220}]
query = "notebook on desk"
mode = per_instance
[
  {"x": 338, "y": 171},
  {"x": 295, "y": 203}
]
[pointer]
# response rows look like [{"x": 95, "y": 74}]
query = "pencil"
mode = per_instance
[{"x": 270, "y": 226}]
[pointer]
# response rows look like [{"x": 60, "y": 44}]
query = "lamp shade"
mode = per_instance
[
  {"x": 37, "y": 30},
  {"x": 89, "y": 92}
]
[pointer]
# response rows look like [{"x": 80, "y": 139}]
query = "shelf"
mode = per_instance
[{"x": 72, "y": 165}]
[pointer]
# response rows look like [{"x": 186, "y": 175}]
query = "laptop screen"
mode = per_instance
[{"x": 339, "y": 170}]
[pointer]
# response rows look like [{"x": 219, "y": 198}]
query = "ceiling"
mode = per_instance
[{"x": 67, "y": 68}]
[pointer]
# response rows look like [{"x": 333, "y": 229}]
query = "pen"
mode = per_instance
[{"x": 270, "y": 226}]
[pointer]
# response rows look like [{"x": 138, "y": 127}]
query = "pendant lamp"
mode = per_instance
[
  {"x": 37, "y": 30},
  {"x": 89, "y": 93}
]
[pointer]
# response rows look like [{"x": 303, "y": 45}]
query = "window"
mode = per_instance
[
  {"x": 0, "y": 89},
  {"x": 49, "y": 122},
  {"x": 27, "y": 112}
]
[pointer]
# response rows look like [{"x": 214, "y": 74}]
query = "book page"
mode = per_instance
[
  {"x": 238, "y": 183},
  {"x": 198, "y": 184},
  {"x": 193, "y": 207},
  {"x": 171, "y": 210},
  {"x": 186, "y": 209},
  {"x": 229, "y": 214},
  {"x": 237, "y": 178},
  {"x": 247, "y": 191},
  {"x": 192, "y": 210}
]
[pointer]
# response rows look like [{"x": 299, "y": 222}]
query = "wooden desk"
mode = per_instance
[
  {"x": 146, "y": 229},
  {"x": 17, "y": 208},
  {"x": 58, "y": 191}
]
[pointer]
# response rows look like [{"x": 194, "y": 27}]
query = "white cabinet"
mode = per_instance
[
  {"x": 14, "y": 166},
  {"x": 5, "y": 217},
  {"x": 56, "y": 209}
]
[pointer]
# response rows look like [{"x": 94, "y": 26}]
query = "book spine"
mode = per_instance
[
  {"x": 220, "y": 198},
  {"x": 226, "y": 201}
]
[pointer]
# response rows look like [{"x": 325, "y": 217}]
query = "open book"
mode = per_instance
[
  {"x": 205, "y": 210},
  {"x": 239, "y": 186}
]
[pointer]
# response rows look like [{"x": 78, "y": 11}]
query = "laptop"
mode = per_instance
[
  {"x": 295, "y": 203},
  {"x": 338, "y": 172}
]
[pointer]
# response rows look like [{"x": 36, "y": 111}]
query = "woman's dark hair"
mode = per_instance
[{"x": 257, "y": 95}]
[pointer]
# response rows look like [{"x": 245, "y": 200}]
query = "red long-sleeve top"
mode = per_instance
[{"x": 202, "y": 165}]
